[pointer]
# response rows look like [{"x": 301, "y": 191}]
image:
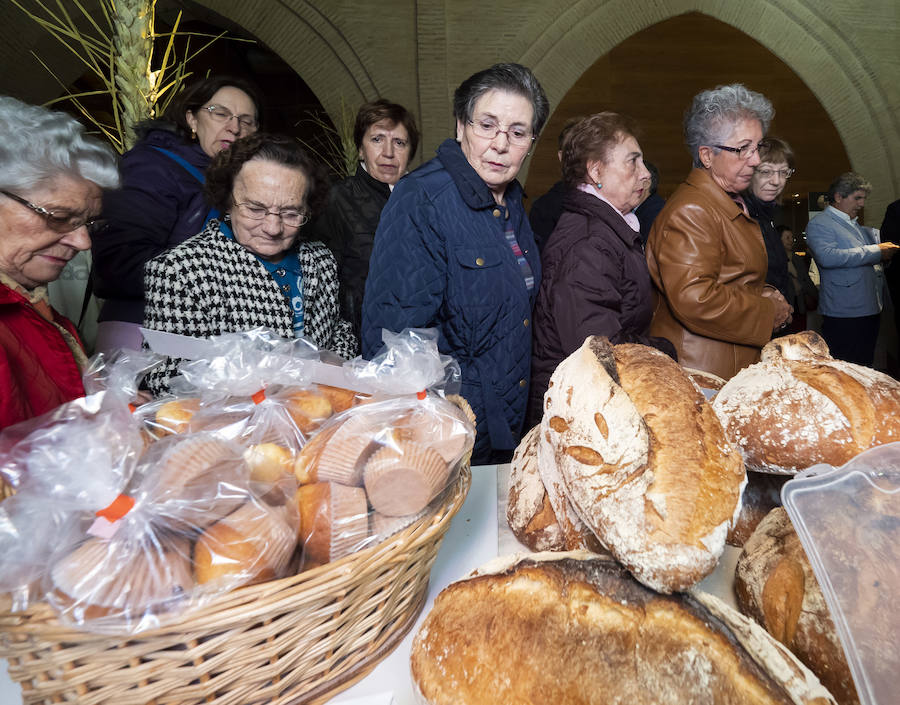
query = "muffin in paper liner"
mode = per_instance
[
  {"x": 308, "y": 408},
  {"x": 197, "y": 481},
  {"x": 334, "y": 521},
  {"x": 253, "y": 544},
  {"x": 124, "y": 579},
  {"x": 382, "y": 526},
  {"x": 445, "y": 432},
  {"x": 344, "y": 456},
  {"x": 402, "y": 479}
]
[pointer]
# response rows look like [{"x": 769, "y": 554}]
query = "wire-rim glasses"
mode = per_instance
[{"x": 57, "y": 223}]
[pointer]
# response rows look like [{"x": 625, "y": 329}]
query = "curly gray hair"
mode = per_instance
[
  {"x": 39, "y": 144},
  {"x": 713, "y": 115},
  {"x": 848, "y": 183}
]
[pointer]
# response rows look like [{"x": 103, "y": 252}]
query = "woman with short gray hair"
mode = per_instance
[
  {"x": 706, "y": 258},
  {"x": 51, "y": 176},
  {"x": 851, "y": 277},
  {"x": 454, "y": 251}
]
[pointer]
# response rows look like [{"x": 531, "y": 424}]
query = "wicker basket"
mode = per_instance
[{"x": 296, "y": 640}]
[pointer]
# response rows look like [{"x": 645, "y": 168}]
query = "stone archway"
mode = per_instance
[{"x": 831, "y": 63}]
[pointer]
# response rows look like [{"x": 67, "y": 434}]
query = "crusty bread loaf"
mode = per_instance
[
  {"x": 798, "y": 406},
  {"x": 645, "y": 461},
  {"x": 555, "y": 629},
  {"x": 761, "y": 495},
  {"x": 528, "y": 510},
  {"x": 775, "y": 584}
]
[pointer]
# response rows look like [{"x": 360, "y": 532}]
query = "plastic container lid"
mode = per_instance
[{"x": 848, "y": 520}]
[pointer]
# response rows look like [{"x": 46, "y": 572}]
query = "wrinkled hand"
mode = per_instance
[
  {"x": 887, "y": 250},
  {"x": 783, "y": 309}
]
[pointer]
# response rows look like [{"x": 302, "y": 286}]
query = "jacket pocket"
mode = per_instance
[
  {"x": 475, "y": 258},
  {"x": 846, "y": 277}
]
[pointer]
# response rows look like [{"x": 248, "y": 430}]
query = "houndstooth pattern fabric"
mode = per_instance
[{"x": 211, "y": 285}]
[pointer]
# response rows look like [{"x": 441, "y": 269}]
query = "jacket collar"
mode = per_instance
[
  {"x": 474, "y": 192},
  {"x": 700, "y": 179},
  {"x": 758, "y": 207},
  {"x": 365, "y": 177},
  {"x": 582, "y": 203}
]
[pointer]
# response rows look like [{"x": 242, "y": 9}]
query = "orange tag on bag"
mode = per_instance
[
  {"x": 259, "y": 396},
  {"x": 120, "y": 506},
  {"x": 132, "y": 408},
  {"x": 421, "y": 395}
]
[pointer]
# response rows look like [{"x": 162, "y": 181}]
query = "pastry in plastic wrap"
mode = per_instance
[
  {"x": 269, "y": 462},
  {"x": 124, "y": 579},
  {"x": 334, "y": 521},
  {"x": 798, "y": 406},
  {"x": 403, "y": 479},
  {"x": 644, "y": 460},
  {"x": 253, "y": 544},
  {"x": 551, "y": 628}
]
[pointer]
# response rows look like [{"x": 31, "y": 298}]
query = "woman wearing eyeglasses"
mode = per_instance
[
  {"x": 161, "y": 201},
  {"x": 51, "y": 176},
  {"x": 454, "y": 251},
  {"x": 251, "y": 269},
  {"x": 705, "y": 254},
  {"x": 776, "y": 166}
]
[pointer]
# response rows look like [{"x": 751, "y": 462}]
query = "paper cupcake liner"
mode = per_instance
[
  {"x": 403, "y": 480},
  {"x": 344, "y": 456},
  {"x": 349, "y": 520},
  {"x": 381, "y": 526}
]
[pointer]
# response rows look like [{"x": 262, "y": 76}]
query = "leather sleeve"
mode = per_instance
[{"x": 696, "y": 248}]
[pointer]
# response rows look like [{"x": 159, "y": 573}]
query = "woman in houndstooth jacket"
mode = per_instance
[{"x": 248, "y": 269}]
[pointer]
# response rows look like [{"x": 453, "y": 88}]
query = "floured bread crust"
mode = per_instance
[
  {"x": 775, "y": 584},
  {"x": 645, "y": 460},
  {"x": 529, "y": 512},
  {"x": 584, "y": 631},
  {"x": 798, "y": 406}
]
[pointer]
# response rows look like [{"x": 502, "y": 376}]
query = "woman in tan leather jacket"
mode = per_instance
[{"x": 705, "y": 253}]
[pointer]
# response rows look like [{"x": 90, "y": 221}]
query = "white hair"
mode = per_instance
[{"x": 39, "y": 144}]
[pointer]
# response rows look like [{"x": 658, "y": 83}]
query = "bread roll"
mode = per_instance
[
  {"x": 175, "y": 416},
  {"x": 528, "y": 510},
  {"x": 269, "y": 462},
  {"x": 761, "y": 495},
  {"x": 308, "y": 408},
  {"x": 798, "y": 406},
  {"x": 553, "y": 629},
  {"x": 775, "y": 584},
  {"x": 645, "y": 461},
  {"x": 253, "y": 544}
]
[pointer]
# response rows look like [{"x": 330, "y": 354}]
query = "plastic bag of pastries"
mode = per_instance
[
  {"x": 374, "y": 468},
  {"x": 75, "y": 458}
]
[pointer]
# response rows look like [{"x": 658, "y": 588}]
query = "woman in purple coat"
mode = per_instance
[{"x": 595, "y": 279}]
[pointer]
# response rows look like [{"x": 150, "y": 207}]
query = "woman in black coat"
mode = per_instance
[{"x": 595, "y": 279}]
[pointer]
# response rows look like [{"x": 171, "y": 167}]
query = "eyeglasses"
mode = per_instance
[
  {"x": 290, "y": 217},
  {"x": 220, "y": 114},
  {"x": 768, "y": 173},
  {"x": 57, "y": 223},
  {"x": 488, "y": 129},
  {"x": 745, "y": 152}
]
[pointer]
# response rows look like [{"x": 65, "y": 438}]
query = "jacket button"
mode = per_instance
[
  {"x": 496, "y": 213},
  {"x": 479, "y": 261},
  {"x": 522, "y": 382},
  {"x": 286, "y": 288},
  {"x": 280, "y": 272},
  {"x": 526, "y": 322}
]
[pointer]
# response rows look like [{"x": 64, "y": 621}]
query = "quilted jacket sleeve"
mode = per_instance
[
  {"x": 408, "y": 269},
  {"x": 688, "y": 250}
]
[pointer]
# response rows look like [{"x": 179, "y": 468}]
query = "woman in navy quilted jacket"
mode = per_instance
[
  {"x": 454, "y": 251},
  {"x": 161, "y": 204}
]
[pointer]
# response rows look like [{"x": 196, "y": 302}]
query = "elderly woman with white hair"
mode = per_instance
[
  {"x": 705, "y": 254},
  {"x": 51, "y": 177}
]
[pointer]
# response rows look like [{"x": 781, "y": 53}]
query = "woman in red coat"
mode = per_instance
[{"x": 51, "y": 176}]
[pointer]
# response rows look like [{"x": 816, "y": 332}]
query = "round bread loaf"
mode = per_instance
[
  {"x": 528, "y": 510},
  {"x": 775, "y": 584},
  {"x": 645, "y": 462},
  {"x": 554, "y": 629},
  {"x": 799, "y": 406}
]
